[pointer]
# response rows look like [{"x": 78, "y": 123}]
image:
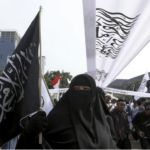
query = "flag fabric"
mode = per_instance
[
  {"x": 19, "y": 84},
  {"x": 56, "y": 82},
  {"x": 143, "y": 87},
  {"x": 120, "y": 32},
  {"x": 47, "y": 103}
]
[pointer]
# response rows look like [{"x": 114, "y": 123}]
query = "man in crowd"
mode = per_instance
[
  {"x": 121, "y": 125},
  {"x": 141, "y": 123},
  {"x": 140, "y": 102},
  {"x": 113, "y": 102},
  {"x": 107, "y": 100},
  {"x": 133, "y": 109},
  {"x": 128, "y": 110}
]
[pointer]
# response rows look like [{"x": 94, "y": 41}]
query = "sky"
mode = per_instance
[{"x": 63, "y": 40}]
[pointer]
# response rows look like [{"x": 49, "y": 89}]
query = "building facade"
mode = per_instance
[{"x": 8, "y": 43}]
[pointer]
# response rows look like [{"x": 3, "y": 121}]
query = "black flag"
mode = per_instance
[{"x": 19, "y": 89}]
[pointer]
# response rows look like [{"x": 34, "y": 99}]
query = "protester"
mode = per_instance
[
  {"x": 107, "y": 100},
  {"x": 113, "y": 103},
  {"x": 121, "y": 125},
  {"x": 132, "y": 102},
  {"x": 77, "y": 121},
  {"x": 128, "y": 110},
  {"x": 141, "y": 123},
  {"x": 133, "y": 109},
  {"x": 140, "y": 103}
]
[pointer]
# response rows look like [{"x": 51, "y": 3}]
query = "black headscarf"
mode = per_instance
[
  {"x": 79, "y": 116},
  {"x": 101, "y": 96}
]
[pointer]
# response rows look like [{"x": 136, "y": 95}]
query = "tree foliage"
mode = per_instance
[
  {"x": 64, "y": 79},
  {"x": 132, "y": 86}
]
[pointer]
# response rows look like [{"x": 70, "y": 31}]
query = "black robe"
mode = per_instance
[{"x": 78, "y": 120}]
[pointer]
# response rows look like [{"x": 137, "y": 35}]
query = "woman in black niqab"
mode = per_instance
[{"x": 78, "y": 120}]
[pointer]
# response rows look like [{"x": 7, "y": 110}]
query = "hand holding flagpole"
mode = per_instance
[{"x": 40, "y": 69}]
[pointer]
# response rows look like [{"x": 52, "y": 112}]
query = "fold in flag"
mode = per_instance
[
  {"x": 56, "y": 82},
  {"x": 115, "y": 32},
  {"x": 143, "y": 87},
  {"x": 19, "y": 84}
]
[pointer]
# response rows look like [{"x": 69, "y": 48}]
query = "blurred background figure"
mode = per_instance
[
  {"x": 113, "y": 103},
  {"x": 107, "y": 100},
  {"x": 140, "y": 102},
  {"x": 128, "y": 109},
  {"x": 141, "y": 123},
  {"x": 121, "y": 125},
  {"x": 133, "y": 109}
]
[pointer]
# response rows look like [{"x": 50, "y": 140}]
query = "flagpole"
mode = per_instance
[
  {"x": 47, "y": 89},
  {"x": 40, "y": 68}
]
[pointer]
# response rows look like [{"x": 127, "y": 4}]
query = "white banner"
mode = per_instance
[
  {"x": 117, "y": 91},
  {"x": 143, "y": 87},
  {"x": 122, "y": 30},
  {"x": 63, "y": 90}
]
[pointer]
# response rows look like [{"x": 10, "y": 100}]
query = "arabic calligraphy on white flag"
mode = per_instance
[{"x": 115, "y": 32}]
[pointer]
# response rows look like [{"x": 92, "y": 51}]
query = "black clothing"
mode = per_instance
[
  {"x": 84, "y": 118},
  {"x": 145, "y": 143},
  {"x": 147, "y": 106},
  {"x": 109, "y": 119},
  {"x": 101, "y": 95},
  {"x": 121, "y": 132},
  {"x": 60, "y": 132},
  {"x": 78, "y": 120},
  {"x": 122, "y": 128},
  {"x": 29, "y": 142},
  {"x": 112, "y": 129},
  {"x": 115, "y": 116},
  {"x": 124, "y": 144},
  {"x": 141, "y": 122},
  {"x": 32, "y": 129}
]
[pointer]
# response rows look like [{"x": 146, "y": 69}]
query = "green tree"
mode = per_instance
[
  {"x": 132, "y": 86},
  {"x": 64, "y": 79},
  {"x": 125, "y": 97},
  {"x": 65, "y": 76},
  {"x": 137, "y": 84},
  {"x": 129, "y": 86}
]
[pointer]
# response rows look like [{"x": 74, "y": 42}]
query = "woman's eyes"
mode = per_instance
[{"x": 76, "y": 88}]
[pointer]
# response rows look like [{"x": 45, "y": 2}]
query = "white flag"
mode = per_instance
[
  {"x": 47, "y": 103},
  {"x": 121, "y": 31},
  {"x": 143, "y": 87}
]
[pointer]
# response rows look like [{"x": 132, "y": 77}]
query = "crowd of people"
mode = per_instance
[
  {"x": 87, "y": 118},
  {"x": 131, "y": 120}
]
